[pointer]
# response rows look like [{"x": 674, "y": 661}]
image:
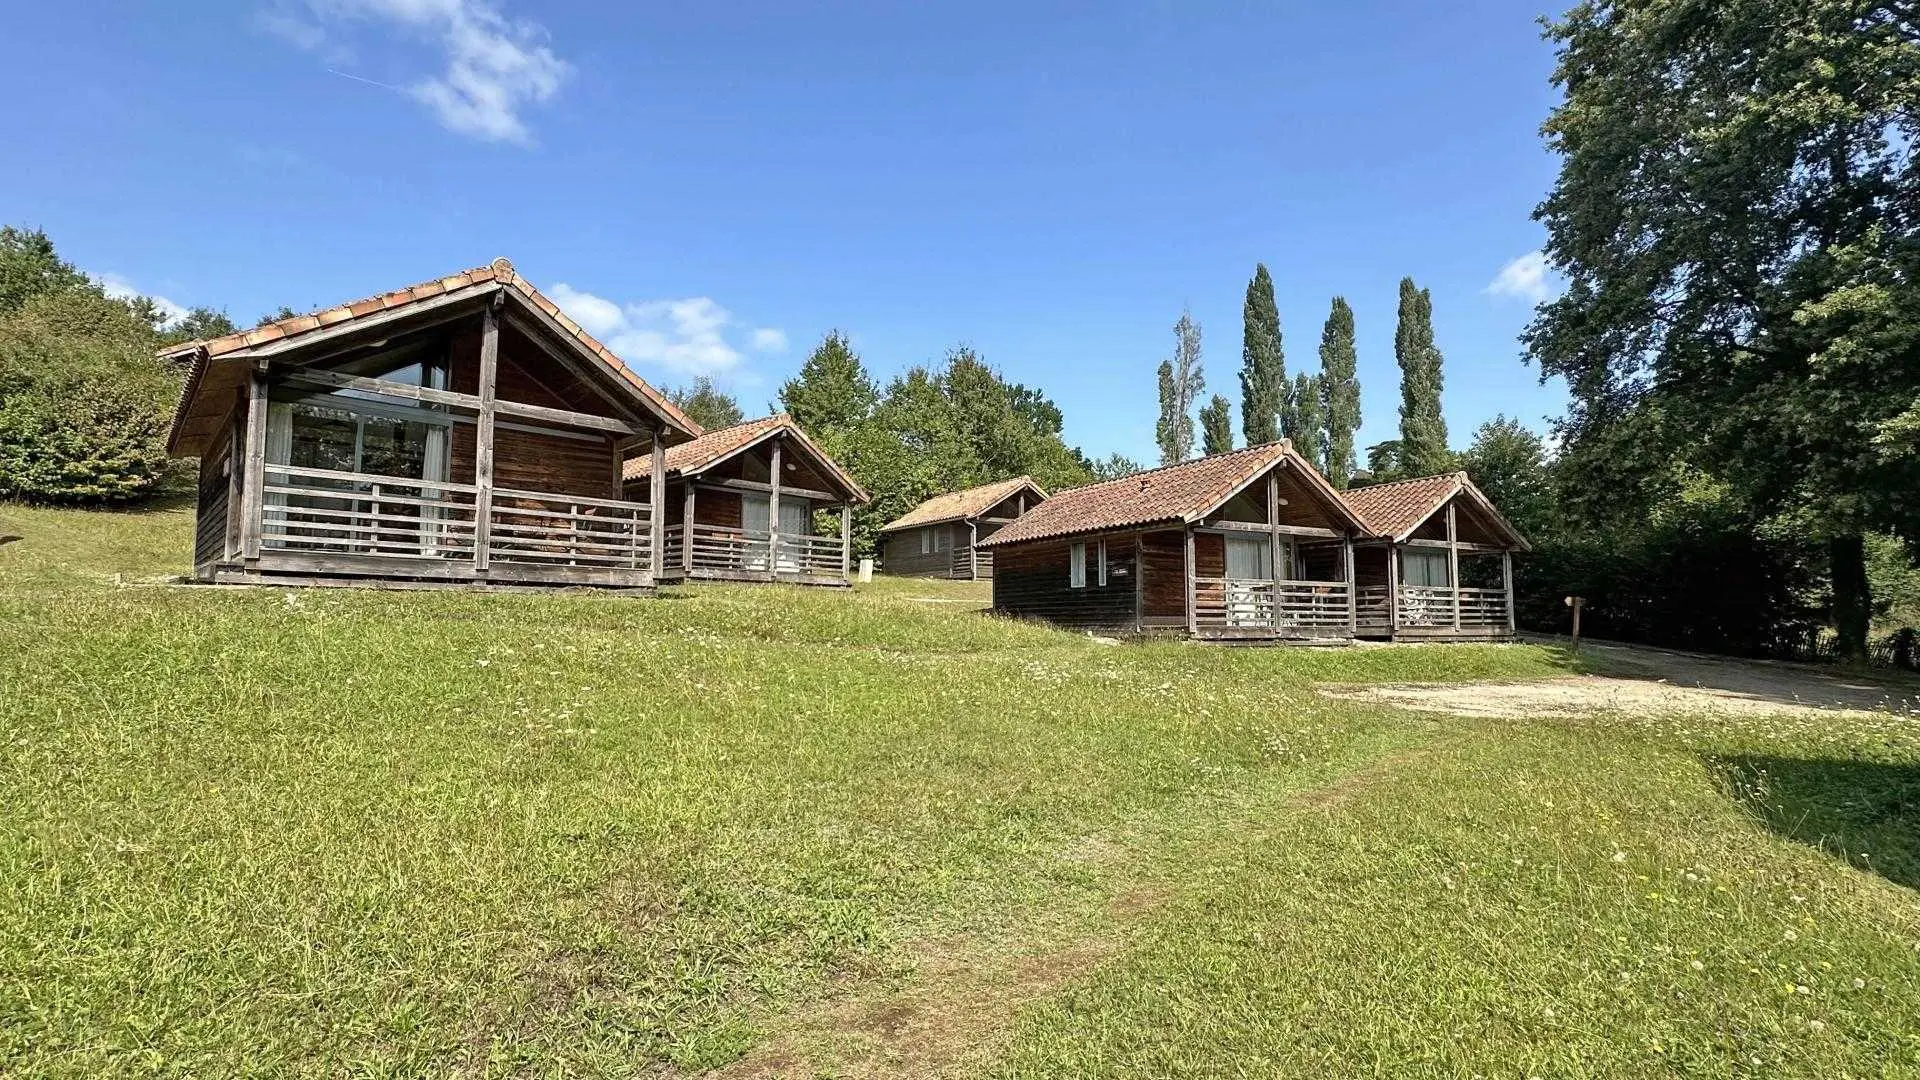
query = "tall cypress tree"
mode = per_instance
[
  {"x": 1423, "y": 430},
  {"x": 1263, "y": 367},
  {"x": 1340, "y": 391},
  {"x": 1310, "y": 436},
  {"x": 1216, "y": 426}
]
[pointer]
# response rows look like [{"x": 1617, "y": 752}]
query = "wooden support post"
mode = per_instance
[
  {"x": 236, "y": 497},
  {"x": 1353, "y": 588},
  {"x": 1139, "y": 581},
  {"x": 686, "y": 532},
  {"x": 1273, "y": 535},
  {"x": 846, "y": 542},
  {"x": 483, "y": 436},
  {"x": 1193, "y": 612},
  {"x": 773, "y": 511},
  {"x": 1506, "y": 583},
  {"x": 973, "y": 550},
  {"x": 1453, "y": 565},
  {"x": 657, "y": 503},
  {"x": 253, "y": 498},
  {"x": 1393, "y": 588}
]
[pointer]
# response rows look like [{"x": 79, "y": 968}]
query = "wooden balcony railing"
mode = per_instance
[
  {"x": 1315, "y": 608},
  {"x": 329, "y": 511},
  {"x": 729, "y": 550},
  {"x": 1427, "y": 606}
]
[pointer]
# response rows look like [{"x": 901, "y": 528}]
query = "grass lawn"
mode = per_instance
[{"x": 770, "y": 831}]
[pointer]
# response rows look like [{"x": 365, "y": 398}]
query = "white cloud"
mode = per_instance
[
  {"x": 683, "y": 338},
  {"x": 1527, "y": 278},
  {"x": 495, "y": 65},
  {"x": 121, "y": 289}
]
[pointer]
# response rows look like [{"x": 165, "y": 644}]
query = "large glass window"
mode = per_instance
[
  {"x": 1423, "y": 567},
  {"x": 1250, "y": 558}
]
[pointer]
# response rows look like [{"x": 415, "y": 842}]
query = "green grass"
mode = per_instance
[{"x": 326, "y": 832}]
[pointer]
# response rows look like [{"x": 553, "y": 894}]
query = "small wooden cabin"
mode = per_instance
[
  {"x": 757, "y": 501},
  {"x": 1248, "y": 545},
  {"x": 941, "y": 537},
  {"x": 1440, "y": 566},
  {"x": 463, "y": 431}
]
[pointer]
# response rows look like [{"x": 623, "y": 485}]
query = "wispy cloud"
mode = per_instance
[
  {"x": 494, "y": 66},
  {"x": 121, "y": 289},
  {"x": 684, "y": 337},
  {"x": 1527, "y": 278}
]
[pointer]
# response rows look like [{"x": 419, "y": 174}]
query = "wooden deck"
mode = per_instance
[
  {"x": 722, "y": 553},
  {"x": 1431, "y": 613}
]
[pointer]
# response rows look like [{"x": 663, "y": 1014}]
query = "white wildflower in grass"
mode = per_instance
[
  {"x": 1619, "y": 856},
  {"x": 1697, "y": 966}
]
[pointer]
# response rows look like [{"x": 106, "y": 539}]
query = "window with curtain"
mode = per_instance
[
  {"x": 1249, "y": 558},
  {"x": 1077, "y": 566},
  {"x": 1424, "y": 567}
]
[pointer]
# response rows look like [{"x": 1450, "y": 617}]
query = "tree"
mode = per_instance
[
  {"x": 1309, "y": 436},
  {"x": 1216, "y": 426},
  {"x": 1383, "y": 462},
  {"x": 705, "y": 405},
  {"x": 1181, "y": 381},
  {"x": 1423, "y": 430},
  {"x": 1263, "y": 366},
  {"x": 1733, "y": 218},
  {"x": 199, "y": 324},
  {"x": 1114, "y": 466},
  {"x": 30, "y": 267},
  {"x": 832, "y": 390},
  {"x": 1340, "y": 391},
  {"x": 281, "y": 312},
  {"x": 1509, "y": 463}
]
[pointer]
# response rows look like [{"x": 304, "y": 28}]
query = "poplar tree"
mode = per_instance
[
  {"x": 1263, "y": 367},
  {"x": 1310, "y": 437},
  {"x": 1423, "y": 430},
  {"x": 1340, "y": 392},
  {"x": 1216, "y": 426},
  {"x": 1181, "y": 381}
]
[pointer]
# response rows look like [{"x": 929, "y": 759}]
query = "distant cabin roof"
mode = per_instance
[
  {"x": 1173, "y": 493},
  {"x": 1396, "y": 509},
  {"x": 691, "y": 458},
  {"x": 961, "y": 505}
]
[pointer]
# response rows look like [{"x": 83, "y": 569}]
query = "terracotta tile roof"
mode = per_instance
[
  {"x": 691, "y": 458},
  {"x": 1173, "y": 493},
  {"x": 961, "y": 505},
  {"x": 499, "y": 273},
  {"x": 1398, "y": 508}
]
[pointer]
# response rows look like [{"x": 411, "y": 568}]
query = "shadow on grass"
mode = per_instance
[{"x": 1866, "y": 813}]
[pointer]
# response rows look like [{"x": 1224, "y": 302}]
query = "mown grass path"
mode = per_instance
[{"x": 771, "y": 831}]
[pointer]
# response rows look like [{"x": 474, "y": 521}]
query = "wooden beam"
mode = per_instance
[
  {"x": 756, "y": 486},
  {"x": 430, "y": 396},
  {"x": 686, "y": 532},
  {"x": 1453, "y": 562},
  {"x": 236, "y": 471},
  {"x": 252, "y": 499},
  {"x": 1353, "y": 588},
  {"x": 1393, "y": 589},
  {"x": 1193, "y": 612},
  {"x": 973, "y": 552},
  {"x": 1485, "y": 549},
  {"x": 773, "y": 508},
  {"x": 1139, "y": 579},
  {"x": 1307, "y": 531},
  {"x": 657, "y": 500},
  {"x": 483, "y": 436},
  {"x": 1506, "y": 580},
  {"x": 1273, "y": 523},
  {"x": 846, "y": 541}
]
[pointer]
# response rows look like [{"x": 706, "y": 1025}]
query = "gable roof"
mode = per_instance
[
  {"x": 497, "y": 276},
  {"x": 961, "y": 505},
  {"x": 713, "y": 447},
  {"x": 1180, "y": 493},
  {"x": 1394, "y": 510}
]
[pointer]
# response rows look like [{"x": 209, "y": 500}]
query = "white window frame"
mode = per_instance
[
  {"x": 1077, "y": 566},
  {"x": 1103, "y": 564}
]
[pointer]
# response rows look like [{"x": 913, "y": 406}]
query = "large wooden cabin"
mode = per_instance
[
  {"x": 941, "y": 537},
  {"x": 463, "y": 431},
  {"x": 754, "y": 494},
  {"x": 1248, "y": 545},
  {"x": 1440, "y": 565}
]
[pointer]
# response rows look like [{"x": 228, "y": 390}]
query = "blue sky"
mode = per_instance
[{"x": 712, "y": 186}]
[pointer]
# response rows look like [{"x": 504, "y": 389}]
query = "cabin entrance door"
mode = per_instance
[{"x": 1249, "y": 587}]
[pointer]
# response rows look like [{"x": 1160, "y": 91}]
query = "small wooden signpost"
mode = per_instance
[{"x": 1575, "y": 603}]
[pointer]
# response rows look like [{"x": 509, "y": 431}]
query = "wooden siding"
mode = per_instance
[
  {"x": 1165, "y": 580},
  {"x": 900, "y": 552},
  {"x": 564, "y": 464},
  {"x": 1033, "y": 581},
  {"x": 213, "y": 506}
]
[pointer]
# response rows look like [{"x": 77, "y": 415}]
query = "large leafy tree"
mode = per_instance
[
  {"x": 832, "y": 390},
  {"x": 1263, "y": 367},
  {"x": 1735, "y": 218},
  {"x": 1423, "y": 430},
  {"x": 1181, "y": 381},
  {"x": 29, "y": 266},
  {"x": 1216, "y": 426},
  {"x": 1340, "y": 391},
  {"x": 1509, "y": 462},
  {"x": 706, "y": 404}
]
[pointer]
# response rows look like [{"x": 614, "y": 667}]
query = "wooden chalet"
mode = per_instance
[
  {"x": 1248, "y": 545},
  {"x": 941, "y": 537},
  {"x": 462, "y": 431},
  {"x": 1440, "y": 566},
  {"x": 742, "y": 504}
]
